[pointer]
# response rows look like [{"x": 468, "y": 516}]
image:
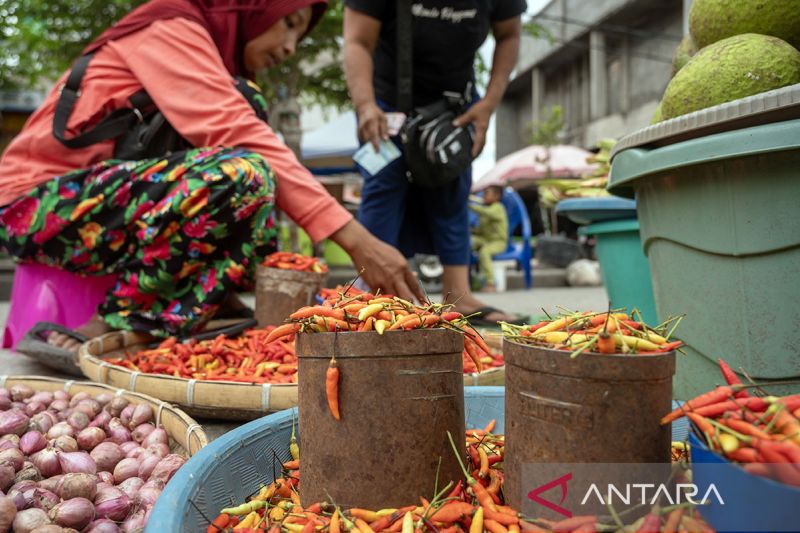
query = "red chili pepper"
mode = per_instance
[{"x": 731, "y": 378}]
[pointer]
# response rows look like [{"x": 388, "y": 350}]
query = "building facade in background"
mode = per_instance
[{"x": 607, "y": 66}]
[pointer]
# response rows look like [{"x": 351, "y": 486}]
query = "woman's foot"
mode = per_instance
[
  {"x": 468, "y": 305},
  {"x": 95, "y": 327}
]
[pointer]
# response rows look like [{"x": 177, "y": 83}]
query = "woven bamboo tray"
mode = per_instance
[
  {"x": 186, "y": 435},
  {"x": 224, "y": 400}
]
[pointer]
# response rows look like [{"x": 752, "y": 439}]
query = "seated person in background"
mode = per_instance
[{"x": 490, "y": 236}]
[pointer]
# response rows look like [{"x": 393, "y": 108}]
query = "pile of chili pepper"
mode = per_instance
[
  {"x": 600, "y": 333},
  {"x": 369, "y": 312},
  {"x": 249, "y": 358},
  {"x": 291, "y": 261},
  {"x": 762, "y": 433},
  {"x": 475, "y": 504}
]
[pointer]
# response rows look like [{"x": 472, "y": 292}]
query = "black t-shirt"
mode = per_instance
[{"x": 447, "y": 34}]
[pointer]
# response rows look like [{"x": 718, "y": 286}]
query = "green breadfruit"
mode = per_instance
[
  {"x": 683, "y": 53},
  {"x": 733, "y": 68},
  {"x": 713, "y": 20}
]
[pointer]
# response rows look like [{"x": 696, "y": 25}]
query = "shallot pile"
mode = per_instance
[{"x": 79, "y": 463}]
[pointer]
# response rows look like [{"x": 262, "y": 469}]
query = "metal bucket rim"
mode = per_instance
[{"x": 362, "y": 344}]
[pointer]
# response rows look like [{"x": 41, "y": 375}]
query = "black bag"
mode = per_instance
[
  {"x": 141, "y": 131},
  {"x": 436, "y": 152}
]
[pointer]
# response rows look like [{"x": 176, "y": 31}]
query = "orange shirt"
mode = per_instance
[{"x": 177, "y": 63}]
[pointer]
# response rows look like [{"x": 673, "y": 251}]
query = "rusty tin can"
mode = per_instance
[
  {"x": 280, "y": 293},
  {"x": 399, "y": 395},
  {"x": 591, "y": 409}
]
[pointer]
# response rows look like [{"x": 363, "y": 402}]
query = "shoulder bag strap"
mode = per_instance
[
  {"x": 115, "y": 124},
  {"x": 405, "y": 47}
]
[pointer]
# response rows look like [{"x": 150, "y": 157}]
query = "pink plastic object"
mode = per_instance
[{"x": 47, "y": 294}]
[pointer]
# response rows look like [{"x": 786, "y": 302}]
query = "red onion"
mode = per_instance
[
  {"x": 135, "y": 522},
  {"x": 78, "y": 420},
  {"x": 59, "y": 405},
  {"x": 131, "y": 486},
  {"x": 112, "y": 503},
  {"x": 161, "y": 450},
  {"x": 127, "y": 468},
  {"x": 43, "y": 396},
  {"x": 61, "y": 395},
  {"x": 155, "y": 484},
  {"x": 91, "y": 407},
  {"x": 126, "y": 447},
  {"x": 103, "y": 525},
  {"x": 11, "y": 441},
  {"x": 7, "y": 473},
  {"x": 65, "y": 443},
  {"x": 28, "y": 472},
  {"x": 147, "y": 464},
  {"x": 142, "y": 431},
  {"x": 126, "y": 414},
  {"x": 13, "y": 422},
  {"x": 18, "y": 406},
  {"x": 75, "y": 513},
  {"x": 31, "y": 442},
  {"x": 5, "y": 403},
  {"x": 136, "y": 453},
  {"x": 105, "y": 477},
  {"x": 89, "y": 438},
  {"x": 141, "y": 413},
  {"x": 53, "y": 528},
  {"x": 21, "y": 392},
  {"x": 77, "y": 485},
  {"x": 101, "y": 420},
  {"x": 22, "y": 486},
  {"x": 78, "y": 397},
  {"x": 4, "y": 393},
  {"x": 29, "y": 519},
  {"x": 47, "y": 462},
  {"x": 117, "y": 432},
  {"x": 34, "y": 408},
  {"x": 104, "y": 398},
  {"x": 40, "y": 422},
  {"x": 7, "y": 513},
  {"x": 157, "y": 436},
  {"x": 117, "y": 405},
  {"x": 13, "y": 456},
  {"x": 42, "y": 499},
  {"x": 77, "y": 462},
  {"x": 147, "y": 496},
  {"x": 106, "y": 455},
  {"x": 50, "y": 483},
  {"x": 167, "y": 467},
  {"x": 60, "y": 430}
]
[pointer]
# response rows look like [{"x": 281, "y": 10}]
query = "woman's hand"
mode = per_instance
[
  {"x": 372, "y": 125},
  {"x": 380, "y": 265},
  {"x": 478, "y": 115}
]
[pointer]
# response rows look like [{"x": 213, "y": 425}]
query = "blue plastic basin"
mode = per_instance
[
  {"x": 751, "y": 503},
  {"x": 235, "y": 465}
]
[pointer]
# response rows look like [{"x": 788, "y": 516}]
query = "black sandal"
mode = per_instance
[{"x": 484, "y": 323}]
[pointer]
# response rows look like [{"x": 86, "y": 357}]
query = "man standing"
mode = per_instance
[{"x": 446, "y": 37}]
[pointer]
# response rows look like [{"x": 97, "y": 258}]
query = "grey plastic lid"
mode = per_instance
[{"x": 764, "y": 108}]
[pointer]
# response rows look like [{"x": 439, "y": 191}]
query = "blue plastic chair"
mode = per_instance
[{"x": 521, "y": 252}]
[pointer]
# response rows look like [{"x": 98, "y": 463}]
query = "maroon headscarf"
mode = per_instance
[{"x": 231, "y": 23}]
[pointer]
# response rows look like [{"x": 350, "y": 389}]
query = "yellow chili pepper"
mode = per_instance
[
  {"x": 477, "y": 521},
  {"x": 249, "y": 520},
  {"x": 408, "y": 524},
  {"x": 368, "y": 311},
  {"x": 245, "y": 508}
]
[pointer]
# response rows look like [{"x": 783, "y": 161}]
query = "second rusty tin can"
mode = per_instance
[
  {"x": 399, "y": 395},
  {"x": 601, "y": 409}
]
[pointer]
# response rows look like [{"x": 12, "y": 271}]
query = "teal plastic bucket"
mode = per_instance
[
  {"x": 623, "y": 265},
  {"x": 720, "y": 225}
]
